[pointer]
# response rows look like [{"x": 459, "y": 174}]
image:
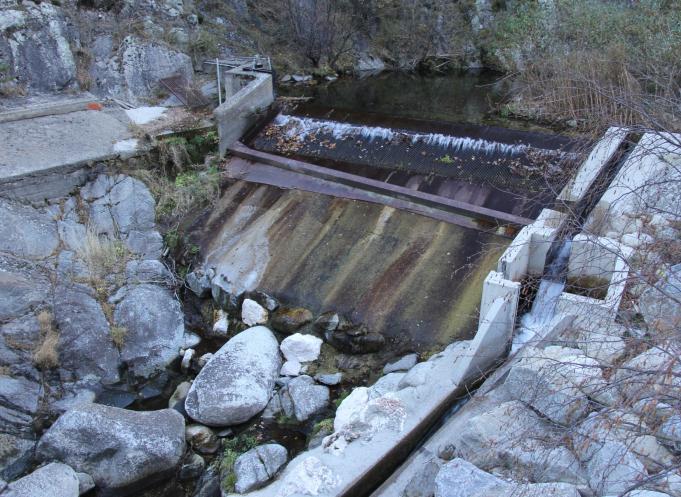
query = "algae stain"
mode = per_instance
[
  {"x": 358, "y": 253},
  {"x": 297, "y": 261},
  {"x": 461, "y": 319},
  {"x": 421, "y": 274}
]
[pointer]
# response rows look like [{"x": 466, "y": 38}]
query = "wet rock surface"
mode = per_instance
[
  {"x": 356, "y": 340},
  {"x": 290, "y": 319}
]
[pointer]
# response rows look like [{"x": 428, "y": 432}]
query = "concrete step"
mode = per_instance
[{"x": 47, "y": 108}]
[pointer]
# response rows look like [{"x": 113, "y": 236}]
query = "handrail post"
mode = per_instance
[{"x": 217, "y": 69}]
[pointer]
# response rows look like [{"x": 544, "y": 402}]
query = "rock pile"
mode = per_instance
[{"x": 568, "y": 421}]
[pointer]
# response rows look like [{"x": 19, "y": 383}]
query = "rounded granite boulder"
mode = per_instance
[{"x": 238, "y": 381}]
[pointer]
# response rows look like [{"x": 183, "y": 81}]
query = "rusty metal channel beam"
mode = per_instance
[{"x": 481, "y": 213}]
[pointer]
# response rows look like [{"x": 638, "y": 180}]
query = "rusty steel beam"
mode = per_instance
[{"x": 481, "y": 213}]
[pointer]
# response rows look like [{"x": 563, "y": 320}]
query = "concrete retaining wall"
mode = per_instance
[
  {"x": 581, "y": 184},
  {"x": 53, "y": 183},
  {"x": 239, "y": 112}
]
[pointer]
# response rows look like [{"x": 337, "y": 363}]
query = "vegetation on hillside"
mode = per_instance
[{"x": 591, "y": 61}]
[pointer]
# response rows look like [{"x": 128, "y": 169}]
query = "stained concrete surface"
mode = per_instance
[{"x": 415, "y": 279}]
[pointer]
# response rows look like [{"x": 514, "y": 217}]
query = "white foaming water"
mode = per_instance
[
  {"x": 301, "y": 127},
  {"x": 539, "y": 320}
]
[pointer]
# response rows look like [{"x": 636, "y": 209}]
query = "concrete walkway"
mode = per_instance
[
  {"x": 55, "y": 146},
  {"x": 40, "y": 143}
]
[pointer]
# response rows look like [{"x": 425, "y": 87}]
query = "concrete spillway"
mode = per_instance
[{"x": 415, "y": 279}]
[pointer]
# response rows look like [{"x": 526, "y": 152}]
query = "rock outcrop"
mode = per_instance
[
  {"x": 83, "y": 315},
  {"x": 35, "y": 42}
]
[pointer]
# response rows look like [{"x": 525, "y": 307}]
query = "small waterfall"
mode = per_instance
[
  {"x": 534, "y": 323},
  {"x": 302, "y": 127}
]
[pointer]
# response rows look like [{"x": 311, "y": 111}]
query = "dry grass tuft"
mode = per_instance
[
  {"x": 102, "y": 255},
  {"x": 118, "y": 334},
  {"x": 46, "y": 355},
  {"x": 190, "y": 189}
]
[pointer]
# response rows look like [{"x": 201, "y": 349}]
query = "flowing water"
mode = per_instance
[
  {"x": 302, "y": 127},
  {"x": 440, "y": 135},
  {"x": 535, "y": 323}
]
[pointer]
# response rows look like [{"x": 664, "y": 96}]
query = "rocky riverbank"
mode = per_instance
[{"x": 93, "y": 335}]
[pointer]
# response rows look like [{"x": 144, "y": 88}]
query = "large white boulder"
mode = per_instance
[
  {"x": 512, "y": 435},
  {"x": 238, "y": 381},
  {"x": 660, "y": 304},
  {"x": 459, "y": 478},
  {"x": 557, "y": 381},
  {"x": 655, "y": 373},
  {"x": 301, "y": 348},
  {"x": 605, "y": 443}
]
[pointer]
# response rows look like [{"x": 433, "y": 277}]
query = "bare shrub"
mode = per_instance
[{"x": 323, "y": 29}]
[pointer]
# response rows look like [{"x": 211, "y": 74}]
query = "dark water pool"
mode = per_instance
[{"x": 464, "y": 97}]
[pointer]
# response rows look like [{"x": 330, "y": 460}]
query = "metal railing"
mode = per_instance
[
  {"x": 254, "y": 63},
  {"x": 257, "y": 63}
]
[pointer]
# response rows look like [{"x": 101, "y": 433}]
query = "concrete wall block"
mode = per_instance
[
  {"x": 542, "y": 238},
  {"x": 495, "y": 287},
  {"x": 590, "y": 314},
  {"x": 513, "y": 262},
  {"x": 592, "y": 256},
  {"x": 492, "y": 338},
  {"x": 238, "y": 112},
  {"x": 527, "y": 253}
]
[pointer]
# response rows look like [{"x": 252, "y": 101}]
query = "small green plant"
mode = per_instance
[
  {"x": 234, "y": 447},
  {"x": 189, "y": 190},
  {"x": 229, "y": 481},
  {"x": 283, "y": 420},
  {"x": 325, "y": 425},
  {"x": 446, "y": 159},
  {"x": 341, "y": 397},
  {"x": 172, "y": 238}
]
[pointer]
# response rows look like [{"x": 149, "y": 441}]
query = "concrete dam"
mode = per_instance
[{"x": 392, "y": 221}]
